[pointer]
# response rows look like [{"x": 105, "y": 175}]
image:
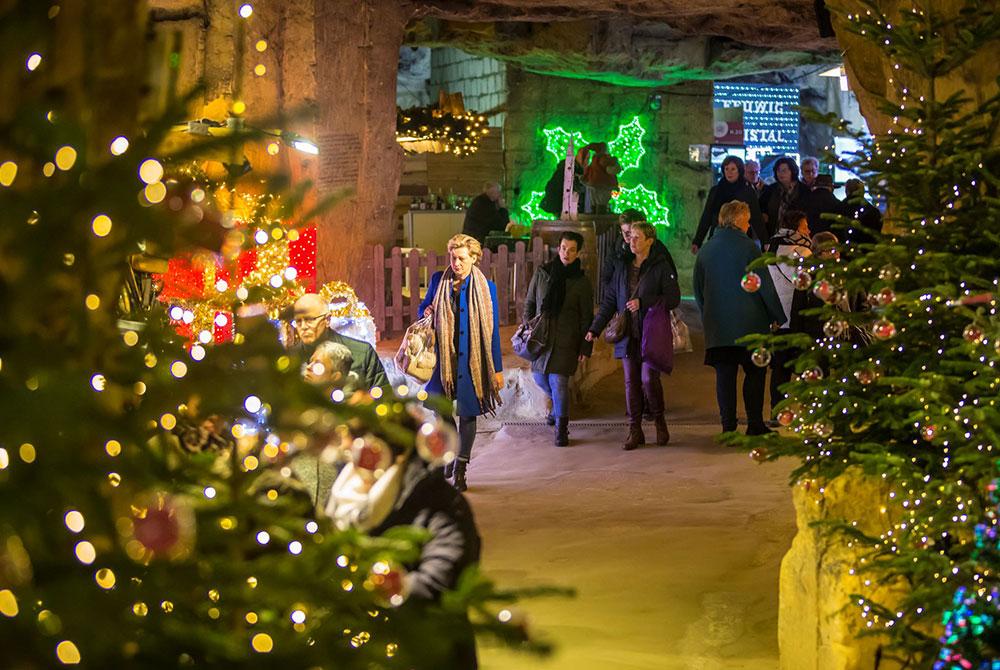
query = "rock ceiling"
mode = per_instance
[{"x": 630, "y": 42}]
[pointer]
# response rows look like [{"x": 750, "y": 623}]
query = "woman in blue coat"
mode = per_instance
[
  {"x": 469, "y": 370},
  {"x": 730, "y": 313}
]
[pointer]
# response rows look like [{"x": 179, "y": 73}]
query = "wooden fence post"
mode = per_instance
[
  {"x": 377, "y": 297},
  {"x": 396, "y": 281},
  {"x": 413, "y": 281},
  {"x": 503, "y": 284}
]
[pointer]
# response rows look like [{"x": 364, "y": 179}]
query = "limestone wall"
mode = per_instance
[
  {"x": 817, "y": 624},
  {"x": 481, "y": 81}
]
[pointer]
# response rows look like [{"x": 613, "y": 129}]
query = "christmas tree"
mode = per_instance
[
  {"x": 902, "y": 383},
  {"x": 137, "y": 526}
]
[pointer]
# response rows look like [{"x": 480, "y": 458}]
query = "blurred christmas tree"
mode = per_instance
[
  {"x": 902, "y": 383},
  {"x": 134, "y": 528}
]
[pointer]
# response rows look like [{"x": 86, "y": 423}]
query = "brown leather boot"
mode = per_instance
[
  {"x": 635, "y": 437},
  {"x": 662, "y": 432}
]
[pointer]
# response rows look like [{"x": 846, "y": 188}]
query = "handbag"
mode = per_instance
[
  {"x": 682, "y": 336},
  {"x": 530, "y": 338},
  {"x": 658, "y": 339},
  {"x": 417, "y": 355},
  {"x": 619, "y": 326}
]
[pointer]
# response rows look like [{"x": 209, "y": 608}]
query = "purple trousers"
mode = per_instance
[{"x": 641, "y": 380}]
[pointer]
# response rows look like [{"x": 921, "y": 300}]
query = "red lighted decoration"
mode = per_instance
[{"x": 184, "y": 280}]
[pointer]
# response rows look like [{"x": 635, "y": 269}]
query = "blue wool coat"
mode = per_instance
[
  {"x": 727, "y": 311},
  {"x": 465, "y": 392}
]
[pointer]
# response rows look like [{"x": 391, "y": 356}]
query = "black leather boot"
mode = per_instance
[
  {"x": 562, "y": 432},
  {"x": 635, "y": 437},
  {"x": 662, "y": 432},
  {"x": 460, "y": 483}
]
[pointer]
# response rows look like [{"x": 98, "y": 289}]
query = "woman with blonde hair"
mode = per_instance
[{"x": 463, "y": 303}]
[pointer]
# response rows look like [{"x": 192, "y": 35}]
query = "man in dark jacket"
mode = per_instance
[
  {"x": 312, "y": 325},
  {"x": 561, "y": 290},
  {"x": 819, "y": 201},
  {"x": 865, "y": 219},
  {"x": 486, "y": 213}
]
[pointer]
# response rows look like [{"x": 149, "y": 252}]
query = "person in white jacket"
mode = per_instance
[{"x": 791, "y": 241}]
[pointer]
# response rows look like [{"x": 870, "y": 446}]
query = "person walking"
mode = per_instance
[
  {"x": 469, "y": 369},
  {"x": 560, "y": 290},
  {"x": 732, "y": 186},
  {"x": 647, "y": 278},
  {"x": 729, "y": 313}
]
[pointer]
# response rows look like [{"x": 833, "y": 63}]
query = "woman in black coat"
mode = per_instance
[
  {"x": 562, "y": 291},
  {"x": 732, "y": 186},
  {"x": 649, "y": 277},
  {"x": 786, "y": 193}
]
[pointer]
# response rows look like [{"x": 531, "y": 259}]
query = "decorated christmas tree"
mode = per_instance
[
  {"x": 149, "y": 512},
  {"x": 902, "y": 382}
]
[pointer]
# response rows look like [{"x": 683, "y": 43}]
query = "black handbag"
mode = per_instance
[{"x": 530, "y": 338}]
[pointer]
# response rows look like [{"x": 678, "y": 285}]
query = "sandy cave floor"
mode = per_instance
[{"x": 674, "y": 551}]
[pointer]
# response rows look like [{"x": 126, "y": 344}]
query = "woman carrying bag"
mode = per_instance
[
  {"x": 561, "y": 292},
  {"x": 468, "y": 370},
  {"x": 642, "y": 281}
]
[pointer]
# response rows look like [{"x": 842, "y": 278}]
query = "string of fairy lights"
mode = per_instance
[{"x": 926, "y": 513}]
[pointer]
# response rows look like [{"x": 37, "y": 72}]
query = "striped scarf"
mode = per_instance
[{"x": 481, "y": 365}]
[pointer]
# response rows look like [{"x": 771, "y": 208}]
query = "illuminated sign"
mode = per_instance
[{"x": 770, "y": 116}]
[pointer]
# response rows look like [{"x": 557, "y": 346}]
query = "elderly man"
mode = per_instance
[
  {"x": 810, "y": 170},
  {"x": 486, "y": 213},
  {"x": 311, "y": 321},
  {"x": 751, "y": 170}
]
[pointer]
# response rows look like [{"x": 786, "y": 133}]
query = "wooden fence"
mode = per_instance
[{"x": 397, "y": 282}]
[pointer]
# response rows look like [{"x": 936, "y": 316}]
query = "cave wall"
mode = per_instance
[{"x": 596, "y": 109}]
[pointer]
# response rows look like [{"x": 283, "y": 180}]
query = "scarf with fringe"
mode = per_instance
[{"x": 481, "y": 364}]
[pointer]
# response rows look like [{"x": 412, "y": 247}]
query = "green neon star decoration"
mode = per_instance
[{"x": 628, "y": 148}]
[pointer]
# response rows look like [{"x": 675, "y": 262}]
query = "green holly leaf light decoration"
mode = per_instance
[
  {"x": 627, "y": 147},
  {"x": 643, "y": 199}
]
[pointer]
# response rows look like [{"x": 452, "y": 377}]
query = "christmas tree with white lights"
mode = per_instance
[{"x": 903, "y": 381}]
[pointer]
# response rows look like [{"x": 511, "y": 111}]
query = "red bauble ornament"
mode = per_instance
[
  {"x": 786, "y": 417},
  {"x": 885, "y": 297},
  {"x": 824, "y": 290},
  {"x": 388, "y": 581},
  {"x": 973, "y": 334},
  {"x": 928, "y": 432},
  {"x": 437, "y": 443},
  {"x": 750, "y": 282},
  {"x": 884, "y": 329},
  {"x": 372, "y": 454},
  {"x": 802, "y": 280},
  {"x": 158, "y": 529}
]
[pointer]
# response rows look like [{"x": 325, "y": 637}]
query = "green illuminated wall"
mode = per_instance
[{"x": 652, "y": 146}]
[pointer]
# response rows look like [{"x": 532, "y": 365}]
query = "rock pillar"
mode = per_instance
[{"x": 357, "y": 55}]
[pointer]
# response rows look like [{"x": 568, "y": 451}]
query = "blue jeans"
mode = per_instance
[{"x": 556, "y": 387}]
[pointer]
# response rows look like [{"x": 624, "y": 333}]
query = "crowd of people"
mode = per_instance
[{"x": 639, "y": 283}]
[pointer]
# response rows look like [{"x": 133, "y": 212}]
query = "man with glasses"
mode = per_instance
[{"x": 311, "y": 323}]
